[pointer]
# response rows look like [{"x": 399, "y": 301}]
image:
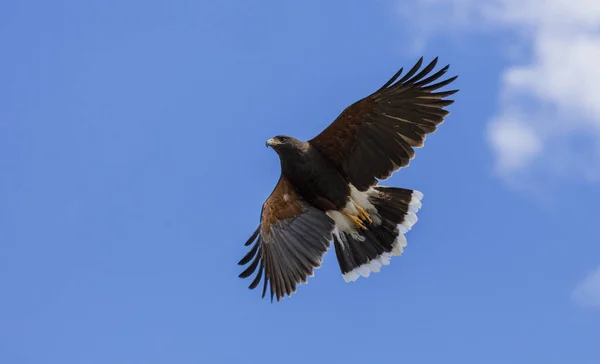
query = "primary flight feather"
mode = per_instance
[{"x": 328, "y": 188}]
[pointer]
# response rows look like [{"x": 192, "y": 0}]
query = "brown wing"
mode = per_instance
[
  {"x": 289, "y": 242},
  {"x": 375, "y": 136}
]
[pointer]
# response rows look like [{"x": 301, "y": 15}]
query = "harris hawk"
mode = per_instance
[{"x": 328, "y": 188}]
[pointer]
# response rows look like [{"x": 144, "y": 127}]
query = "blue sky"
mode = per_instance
[{"x": 134, "y": 168}]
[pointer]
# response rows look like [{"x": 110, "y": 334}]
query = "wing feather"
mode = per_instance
[
  {"x": 376, "y": 135},
  {"x": 249, "y": 256},
  {"x": 256, "y": 280},
  {"x": 289, "y": 242}
]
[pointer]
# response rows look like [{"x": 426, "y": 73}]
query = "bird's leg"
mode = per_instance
[
  {"x": 362, "y": 214},
  {"x": 356, "y": 220}
]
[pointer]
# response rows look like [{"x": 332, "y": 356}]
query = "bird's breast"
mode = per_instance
[{"x": 317, "y": 180}]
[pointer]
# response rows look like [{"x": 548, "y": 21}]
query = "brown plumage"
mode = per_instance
[
  {"x": 375, "y": 136},
  {"x": 328, "y": 186}
]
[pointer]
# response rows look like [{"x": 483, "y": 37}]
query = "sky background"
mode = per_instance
[{"x": 133, "y": 169}]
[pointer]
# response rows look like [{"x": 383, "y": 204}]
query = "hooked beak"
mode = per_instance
[{"x": 272, "y": 142}]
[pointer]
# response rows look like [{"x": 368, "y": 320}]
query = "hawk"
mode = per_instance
[{"x": 328, "y": 188}]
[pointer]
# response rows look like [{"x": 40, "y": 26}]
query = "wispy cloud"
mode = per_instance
[
  {"x": 587, "y": 293},
  {"x": 550, "y": 104}
]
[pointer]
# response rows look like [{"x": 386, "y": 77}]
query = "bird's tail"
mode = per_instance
[{"x": 393, "y": 213}]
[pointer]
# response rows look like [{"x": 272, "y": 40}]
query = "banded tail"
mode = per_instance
[{"x": 393, "y": 211}]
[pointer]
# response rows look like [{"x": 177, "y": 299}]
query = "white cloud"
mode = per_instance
[
  {"x": 587, "y": 293},
  {"x": 516, "y": 143},
  {"x": 551, "y": 101}
]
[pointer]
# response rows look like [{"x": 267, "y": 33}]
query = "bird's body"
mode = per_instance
[
  {"x": 314, "y": 176},
  {"x": 328, "y": 188}
]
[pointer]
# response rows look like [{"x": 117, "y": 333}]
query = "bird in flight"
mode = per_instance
[{"x": 328, "y": 188}]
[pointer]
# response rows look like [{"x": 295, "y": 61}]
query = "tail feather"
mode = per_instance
[{"x": 394, "y": 213}]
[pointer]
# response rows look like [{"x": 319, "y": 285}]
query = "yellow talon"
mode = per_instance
[
  {"x": 362, "y": 214},
  {"x": 357, "y": 222}
]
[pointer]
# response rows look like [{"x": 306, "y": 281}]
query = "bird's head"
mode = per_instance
[{"x": 284, "y": 144}]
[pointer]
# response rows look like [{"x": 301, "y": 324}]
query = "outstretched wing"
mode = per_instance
[
  {"x": 289, "y": 242},
  {"x": 375, "y": 136}
]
